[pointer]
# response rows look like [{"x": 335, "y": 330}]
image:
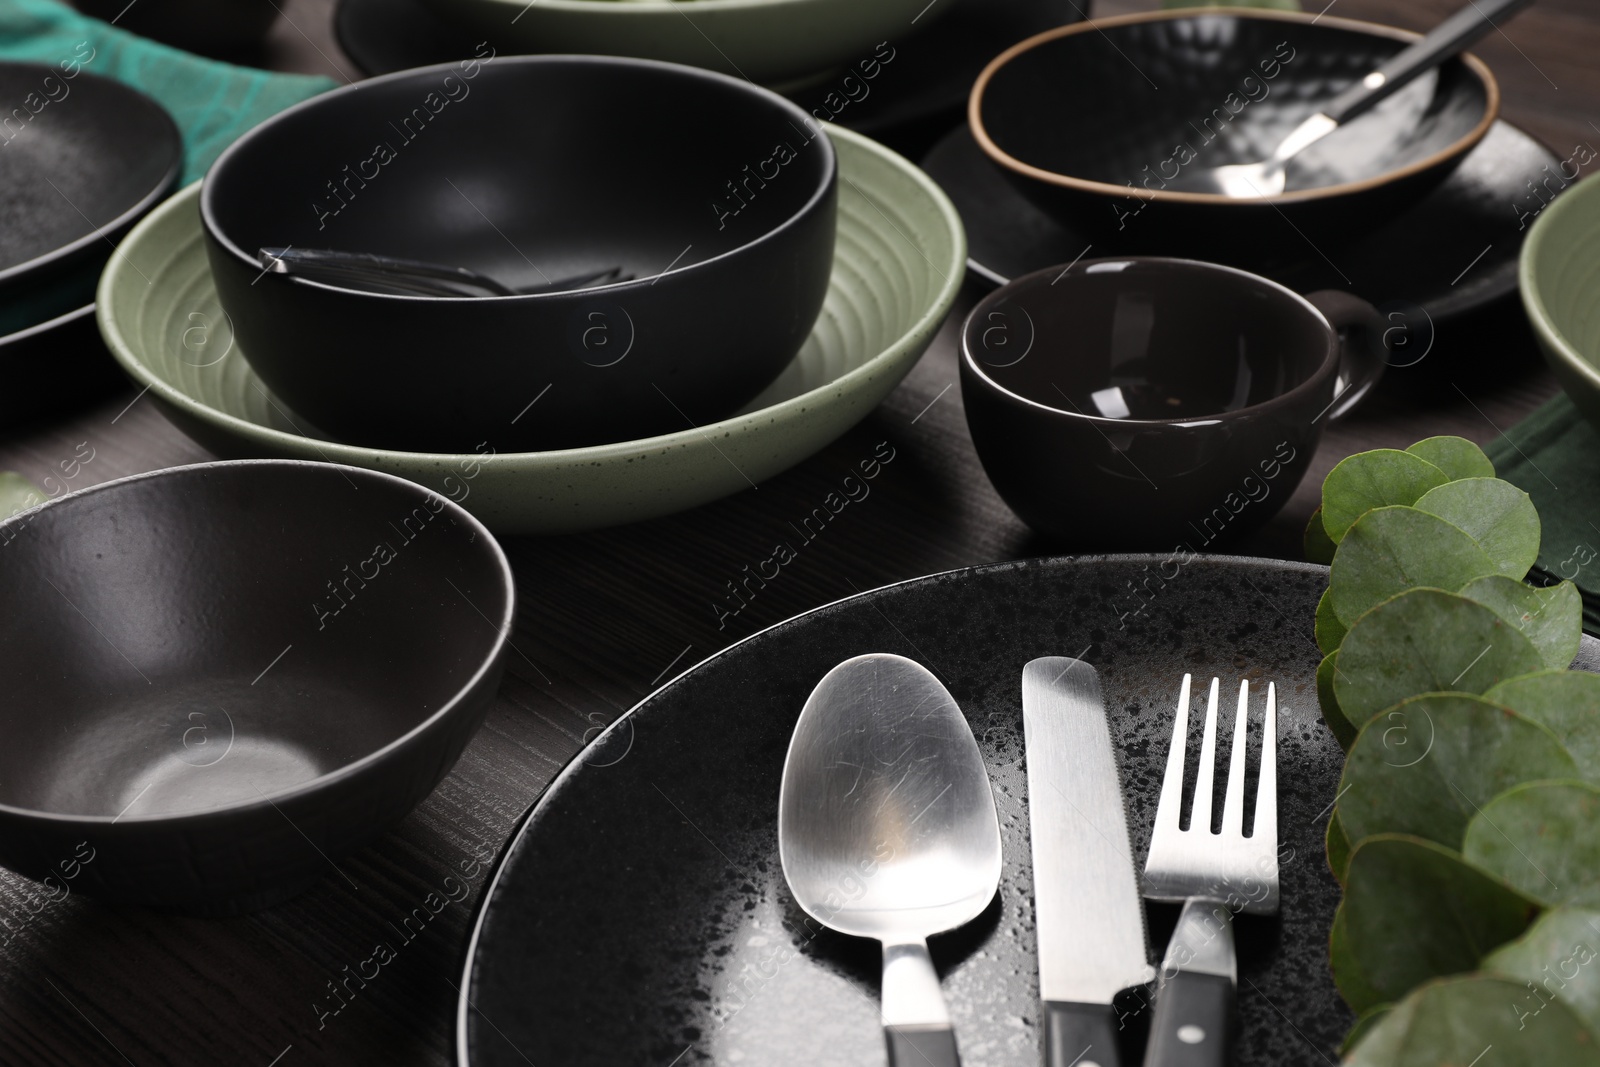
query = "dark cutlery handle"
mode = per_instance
[
  {"x": 922, "y": 1047},
  {"x": 1079, "y": 1034},
  {"x": 1193, "y": 1024},
  {"x": 1452, "y": 35}
]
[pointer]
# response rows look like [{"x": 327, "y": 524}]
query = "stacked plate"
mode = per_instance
[
  {"x": 84, "y": 158},
  {"x": 898, "y": 261}
]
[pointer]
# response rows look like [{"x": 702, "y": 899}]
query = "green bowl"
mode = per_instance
[
  {"x": 899, "y": 259},
  {"x": 767, "y": 41},
  {"x": 1560, "y": 277}
]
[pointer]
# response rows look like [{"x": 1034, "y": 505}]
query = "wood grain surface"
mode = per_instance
[{"x": 603, "y": 619}]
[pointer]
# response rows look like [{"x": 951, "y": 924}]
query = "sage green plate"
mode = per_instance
[
  {"x": 898, "y": 261},
  {"x": 767, "y": 41},
  {"x": 1560, "y": 277}
]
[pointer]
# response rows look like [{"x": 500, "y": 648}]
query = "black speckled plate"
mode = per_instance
[
  {"x": 1454, "y": 252},
  {"x": 640, "y": 915}
]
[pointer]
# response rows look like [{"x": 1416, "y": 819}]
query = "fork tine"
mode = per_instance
[
  {"x": 1170, "y": 806},
  {"x": 1233, "y": 801},
  {"x": 1265, "y": 829},
  {"x": 1200, "y": 819}
]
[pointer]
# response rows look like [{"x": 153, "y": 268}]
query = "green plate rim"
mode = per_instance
[{"x": 1555, "y": 342}]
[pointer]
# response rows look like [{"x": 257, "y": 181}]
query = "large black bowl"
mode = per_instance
[
  {"x": 1097, "y": 123},
  {"x": 221, "y": 678},
  {"x": 717, "y": 195}
]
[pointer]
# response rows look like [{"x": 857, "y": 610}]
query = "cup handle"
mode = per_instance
[{"x": 1362, "y": 355}]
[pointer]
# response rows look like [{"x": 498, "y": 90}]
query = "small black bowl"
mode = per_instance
[
  {"x": 221, "y": 678},
  {"x": 1097, "y": 122},
  {"x": 716, "y": 195}
]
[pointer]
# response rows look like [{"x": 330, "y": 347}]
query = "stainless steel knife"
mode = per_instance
[{"x": 1088, "y": 910}]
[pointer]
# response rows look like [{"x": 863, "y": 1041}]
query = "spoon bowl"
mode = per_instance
[{"x": 887, "y": 829}]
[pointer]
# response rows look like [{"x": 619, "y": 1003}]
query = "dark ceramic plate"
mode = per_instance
[
  {"x": 75, "y": 176},
  {"x": 640, "y": 914},
  {"x": 909, "y": 101},
  {"x": 1455, "y": 251}
]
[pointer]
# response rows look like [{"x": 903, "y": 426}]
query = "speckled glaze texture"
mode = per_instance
[
  {"x": 1126, "y": 98},
  {"x": 898, "y": 256},
  {"x": 221, "y": 678},
  {"x": 107, "y": 158},
  {"x": 641, "y": 914},
  {"x": 1413, "y": 258}
]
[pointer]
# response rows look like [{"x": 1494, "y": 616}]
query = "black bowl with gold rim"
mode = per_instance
[{"x": 1097, "y": 123}]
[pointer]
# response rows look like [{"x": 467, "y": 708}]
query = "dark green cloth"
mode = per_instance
[
  {"x": 1554, "y": 456},
  {"x": 212, "y": 102}
]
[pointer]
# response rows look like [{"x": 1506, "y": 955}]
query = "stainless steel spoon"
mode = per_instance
[
  {"x": 1248, "y": 181},
  {"x": 392, "y": 275},
  {"x": 887, "y": 829}
]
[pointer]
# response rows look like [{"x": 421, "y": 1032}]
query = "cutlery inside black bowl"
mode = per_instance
[{"x": 410, "y": 277}]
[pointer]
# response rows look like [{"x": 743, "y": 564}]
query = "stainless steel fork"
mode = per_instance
[{"x": 1214, "y": 875}]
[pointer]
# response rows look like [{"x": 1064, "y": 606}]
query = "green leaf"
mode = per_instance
[
  {"x": 1454, "y": 1023},
  {"x": 1329, "y": 630},
  {"x": 1316, "y": 544},
  {"x": 1557, "y": 955},
  {"x": 1427, "y": 765},
  {"x": 1415, "y": 910},
  {"x": 1426, "y": 641},
  {"x": 1374, "y": 479},
  {"x": 1543, "y": 838},
  {"x": 1363, "y": 1026},
  {"x": 1343, "y": 731},
  {"x": 1550, "y": 617},
  {"x": 1337, "y": 845},
  {"x": 18, "y": 494},
  {"x": 1392, "y": 549},
  {"x": 1567, "y": 703},
  {"x": 1353, "y": 986},
  {"x": 1456, "y": 456},
  {"x": 1494, "y": 513}
]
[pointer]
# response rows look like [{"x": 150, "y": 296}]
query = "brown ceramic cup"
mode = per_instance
[{"x": 1151, "y": 404}]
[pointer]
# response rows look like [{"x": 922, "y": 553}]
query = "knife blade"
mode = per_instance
[{"x": 1088, "y": 911}]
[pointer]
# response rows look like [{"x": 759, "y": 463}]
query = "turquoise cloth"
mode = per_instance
[
  {"x": 1553, "y": 455},
  {"x": 212, "y": 102}
]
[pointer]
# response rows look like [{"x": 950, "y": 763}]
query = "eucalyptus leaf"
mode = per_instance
[
  {"x": 18, "y": 494},
  {"x": 1353, "y": 986},
  {"x": 1415, "y": 910},
  {"x": 1456, "y": 1022},
  {"x": 1363, "y": 1026},
  {"x": 1543, "y": 838},
  {"x": 1337, "y": 845},
  {"x": 1456, "y": 456},
  {"x": 1316, "y": 544},
  {"x": 1494, "y": 513},
  {"x": 1343, "y": 730},
  {"x": 1374, "y": 479},
  {"x": 1428, "y": 764},
  {"x": 1391, "y": 549},
  {"x": 1426, "y": 641},
  {"x": 1329, "y": 630},
  {"x": 1559, "y": 957},
  {"x": 1551, "y": 617},
  {"x": 1566, "y": 702}
]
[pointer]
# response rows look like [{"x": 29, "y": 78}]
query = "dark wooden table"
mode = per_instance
[{"x": 603, "y": 619}]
